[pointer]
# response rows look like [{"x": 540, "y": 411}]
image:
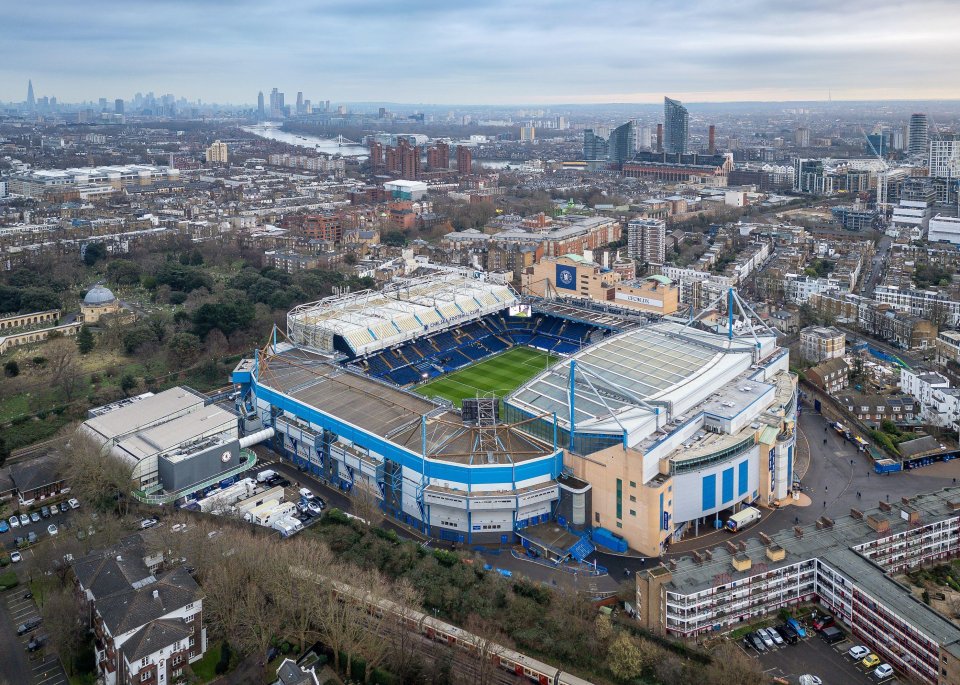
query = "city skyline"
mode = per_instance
[{"x": 496, "y": 54}]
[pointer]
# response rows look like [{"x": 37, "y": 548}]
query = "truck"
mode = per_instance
[
  {"x": 271, "y": 511},
  {"x": 742, "y": 519},
  {"x": 245, "y": 505},
  {"x": 264, "y": 476},
  {"x": 287, "y": 526}
]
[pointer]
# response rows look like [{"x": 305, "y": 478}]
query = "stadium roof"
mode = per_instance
[
  {"x": 367, "y": 321},
  {"x": 623, "y": 382},
  {"x": 390, "y": 412}
]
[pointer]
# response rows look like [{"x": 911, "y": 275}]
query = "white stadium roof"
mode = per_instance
[
  {"x": 369, "y": 321},
  {"x": 622, "y": 382}
]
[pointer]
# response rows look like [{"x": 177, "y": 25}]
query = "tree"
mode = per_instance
[
  {"x": 394, "y": 239},
  {"x": 4, "y": 450},
  {"x": 227, "y": 316},
  {"x": 490, "y": 642},
  {"x": 603, "y": 628},
  {"x": 406, "y": 644},
  {"x": 127, "y": 383},
  {"x": 61, "y": 368},
  {"x": 183, "y": 349},
  {"x": 93, "y": 253},
  {"x": 63, "y": 623},
  {"x": 85, "y": 341},
  {"x": 124, "y": 272},
  {"x": 11, "y": 369},
  {"x": 95, "y": 474},
  {"x": 366, "y": 503},
  {"x": 624, "y": 658}
]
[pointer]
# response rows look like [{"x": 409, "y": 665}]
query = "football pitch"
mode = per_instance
[{"x": 500, "y": 375}]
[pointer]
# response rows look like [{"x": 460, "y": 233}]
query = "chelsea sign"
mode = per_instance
[{"x": 566, "y": 277}]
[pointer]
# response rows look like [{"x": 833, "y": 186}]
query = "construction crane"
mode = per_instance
[{"x": 882, "y": 176}]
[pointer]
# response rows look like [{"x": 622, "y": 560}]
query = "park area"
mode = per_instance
[{"x": 499, "y": 375}]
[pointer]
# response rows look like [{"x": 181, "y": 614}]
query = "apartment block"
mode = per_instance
[
  {"x": 846, "y": 565},
  {"x": 819, "y": 343}
]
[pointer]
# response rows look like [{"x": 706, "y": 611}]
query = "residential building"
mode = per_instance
[
  {"x": 438, "y": 156},
  {"x": 146, "y": 619},
  {"x": 944, "y": 229},
  {"x": 622, "y": 145},
  {"x": 676, "y": 122},
  {"x": 819, "y": 343},
  {"x": 938, "y": 307},
  {"x": 38, "y": 479},
  {"x": 831, "y": 376},
  {"x": 464, "y": 159},
  {"x": 646, "y": 240},
  {"x": 801, "y": 137},
  {"x": 848, "y": 565},
  {"x": 527, "y": 133},
  {"x": 217, "y": 153},
  {"x": 918, "y": 135},
  {"x": 945, "y": 157},
  {"x": 872, "y": 410},
  {"x": 594, "y": 147},
  {"x": 328, "y": 227},
  {"x": 947, "y": 345}
]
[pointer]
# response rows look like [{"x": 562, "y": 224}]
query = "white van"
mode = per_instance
[{"x": 264, "y": 476}]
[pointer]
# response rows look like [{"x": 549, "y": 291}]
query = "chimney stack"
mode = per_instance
[
  {"x": 156, "y": 594},
  {"x": 711, "y": 144}
]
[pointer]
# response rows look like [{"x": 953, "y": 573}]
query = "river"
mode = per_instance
[{"x": 326, "y": 145}]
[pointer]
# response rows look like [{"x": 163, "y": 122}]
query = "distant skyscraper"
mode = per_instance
[
  {"x": 118, "y": 106},
  {"x": 945, "y": 156},
  {"x": 299, "y": 102},
  {"x": 438, "y": 156},
  {"x": 527, "y": 133},
  {"x": 217, "y": 153},
  {"x": 623, "y": 143},
  {"x": 676, "y": 122},
  {"x": 260, "y": 111},
  {"x": 31, "y": 102},
  {"x": 712, "y": 140},
  {"x": 594, "y": 146},
  {"x": 801, "y": 137},
  {"x": 919, "y": 134}
]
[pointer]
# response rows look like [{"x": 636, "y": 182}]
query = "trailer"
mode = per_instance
[
  {"x": 220, "y": 500},
  {"x": 246, "y": 505},
  {"x": 287, "y": 526},
  {"x": 742, "y": 519},
  {"x": 271, "y": 511}
]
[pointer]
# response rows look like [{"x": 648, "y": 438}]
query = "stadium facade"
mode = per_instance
[{"x": 647, "y": 429}]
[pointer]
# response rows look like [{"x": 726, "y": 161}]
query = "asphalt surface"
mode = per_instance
[
  {"x": 877, "y": 267},
  {"x": 19, "y": 666},
  {"x": 60, "y": 520}
]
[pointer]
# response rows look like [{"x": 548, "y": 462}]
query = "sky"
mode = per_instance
[{"x": 483, "y": 52}]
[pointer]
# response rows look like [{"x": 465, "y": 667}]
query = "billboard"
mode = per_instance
[
  {"x": 520, "y": 310},
  {"x": 566, "y": 277},
  {"x": 627, "y": 297}
]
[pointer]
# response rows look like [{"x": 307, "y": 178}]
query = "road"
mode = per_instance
[{"x": 877, "y": 267}]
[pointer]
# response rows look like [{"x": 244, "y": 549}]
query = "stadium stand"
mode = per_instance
[{"x": 453, "y": 349}]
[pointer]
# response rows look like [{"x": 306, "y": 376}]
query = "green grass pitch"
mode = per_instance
[{"x": 500, "y": 375}]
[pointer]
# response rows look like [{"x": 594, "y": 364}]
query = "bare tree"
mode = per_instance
[
  {"x": 489, "y": 642},
  {"x": 340, "y": 618},
  {"x": 298, "y": 603},
  {"x": 408, "y": 621},
  {"x": 95, "y": 474},
  {"x": 63, "y": 622},
  {"x": 62, "y": 369},
  {"x": 366, "y": 503}
]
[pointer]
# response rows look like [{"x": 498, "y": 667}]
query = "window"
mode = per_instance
[
  {"x": 177, "y": 659},
  {"x": 633, "y": 498},
  {"x": 189, "y": 606},
  {"x": 143, "y": 662},
  {"x": 619, "y": 525},
  {"x": 192, "y": 641},
  {"x": 145, "y": 676},
  {"x": 191, "y": 654},
  {"x": 633, "y": 484},
  {"x": 633, "y": 512},
  {"x": 189, "y": 619},
  {"x": 596, "y": 516},
  {"x": 177, "y": 673}
]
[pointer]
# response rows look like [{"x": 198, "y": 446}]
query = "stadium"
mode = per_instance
[{"x": 479, "y": 417}]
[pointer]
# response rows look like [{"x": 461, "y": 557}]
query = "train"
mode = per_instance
[{"x": 440, "y": 631}]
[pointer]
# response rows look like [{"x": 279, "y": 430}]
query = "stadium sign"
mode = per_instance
[
  {"x": 566, "y": 277},
  {"x": 639, "y": 300}
]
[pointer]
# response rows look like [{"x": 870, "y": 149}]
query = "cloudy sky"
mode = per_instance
[{"x": 483, "y": 51}]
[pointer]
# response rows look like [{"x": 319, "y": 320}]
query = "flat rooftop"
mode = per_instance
[
  {"x": 148, "y": 411},
  {"x": 391, "y": 413},
  {"x": 837, "y": 546},
  {"x": 204, "y": 421}
]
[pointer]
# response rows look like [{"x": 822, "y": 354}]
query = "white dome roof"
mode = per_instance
[{"x": 99, "y": 295}]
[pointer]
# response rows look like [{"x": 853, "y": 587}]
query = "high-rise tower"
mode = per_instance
[
  {"x": 260, "y": 111},
  {"x": 31, "y": 102},
  {"x": 676, "y": 122},
  {"x": 919, "y": 134}
]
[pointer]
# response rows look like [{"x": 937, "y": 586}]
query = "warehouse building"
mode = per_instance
[
  {"x": 848, "y": 565},
  {"x": 176, "y": 442}
]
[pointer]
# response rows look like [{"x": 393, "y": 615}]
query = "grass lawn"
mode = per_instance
[
  {"x": 500, "y": 375},
  {"x": 204, "y": 669}
]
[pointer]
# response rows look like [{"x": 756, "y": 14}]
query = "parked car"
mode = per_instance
[
  {"x": 64, "y": 507},
  {"x": 767, "y": 640},
  {"x": 15, "y": 556},
  {"x": 74, "y": 503},
  {"x": 28, "y": 625},
  {"x": 52, "y": 529},
  {"x": 283, "y": 483},
  {"x": 4, "y": 526},
  {"x": 757, "y": 642},
  {"x": 883, "y": 671},
  {"x": 772, "y": 632},
  {"x": 14, "y": 522},
  {"x": 45, "y": 512},
  {"x": 788, "y": 634},
  {"x": 148, "y": 523},
  {"x": 35, "y": 516},
  {"x": 832, "y": 634},
  {"x": 858, "y": 652},
  {"x": 36, "y": 643},
  {"x": 32, "y": 537},
  {"x": 822, "y": 622},
  {"x": 314, "y": 508},
  {"x": 870, "y": 660},
  {"x": 306, "y": 494},
  {"x": 24, "y": 520}
]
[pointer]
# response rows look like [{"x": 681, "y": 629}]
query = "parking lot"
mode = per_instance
[
  {"x": 39, "y": 528},
  {"x": 811, "y": 655},
  {"x": 41, "y": 667}
]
